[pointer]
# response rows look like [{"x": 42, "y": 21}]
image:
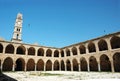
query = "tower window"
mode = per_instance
[{"x": 17, "y": 36}]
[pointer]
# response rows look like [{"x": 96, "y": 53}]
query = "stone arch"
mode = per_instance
[
  {"x": 82, "y": 49},
  {"x": 7, "y": 64},
  {"x": 21, "y": 50},
  {"x": 105, "y": 64},
  {"x": 1, "y": 48},
  {"x": 68, "y": 65},
  {"x": 56, "y": 65},
  {"x": 30, "y": 65},
  {"x": 62, "y": 65},
  {"x": 93, "y": 64},
  {"x": 9, "y": 49},
  {"x": 83, "y": 64},
  {"x": 62, "y": 53},
  {"x": 102, "y": 44},
  {"x": 56, "y": 53},
  {"x": 67, "y": 52},
  {"x": 116, "y": 62},
  {"x": 91, "y": 47},
  {"x": 49, "y": 53},
  {"x": 40, "y": 65},
  {"x": 74, "y": 51},
  {"x": 20, "y": 64},
  {"x": 48, "y": 65},
  {"x": 75, "y": 65},
  {"x": 115, "y": 42},
  {"x": 40, "y": 52},
  {"x": 31, "y": 51}
]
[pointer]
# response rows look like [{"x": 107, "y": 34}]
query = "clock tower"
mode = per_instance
[{"x": 17, "y": 29}]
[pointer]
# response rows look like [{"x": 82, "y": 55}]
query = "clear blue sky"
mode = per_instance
[{"x": 59, "y": 23}]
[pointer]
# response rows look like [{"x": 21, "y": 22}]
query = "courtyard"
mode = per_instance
[{"x": 63, "y": 76}]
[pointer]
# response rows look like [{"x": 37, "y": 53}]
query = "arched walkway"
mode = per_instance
[
  {"x": 9, "y": 49},
  {"x": 91, "y": 47},
  {"x": 21, "y": 50},
  {"x": 31, "y": 51},
  {"x": 40, "y": 65},
  {"x": 67, "y": 52},
  {"x": 8, "y": 64},
  {"x": 82, "y": 49},
  {"x": 93, "y": 64},
  {"x": 48, "y": 53},
  {"x": 105, "y": 63},
  {"x": 40, "y": 52},
  {"x": 75, "y": 65},
  {"x": 68, "y": 65},
  {"x": 30, "y": 65},
  {"x": 62, "y": 53},
  {"x": 102, "y": 45},
  {"x": 62, "y": 65},
  {"x": 20, "y": 64},
  {"x": 56, "y": 53},
  {"x": 48, "y": 65},
  {"x": 115, "y": 42},
  {"x": 116, "y": 61},
  {"x": 74, "y": 51},
  {"x": 83, "y": 64},
  {"x": 56, "y": 65},
  {"x": 1, "y": 48}
]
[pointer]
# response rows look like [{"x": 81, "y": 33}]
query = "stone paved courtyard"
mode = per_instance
[{"x": 63, "y": 76}]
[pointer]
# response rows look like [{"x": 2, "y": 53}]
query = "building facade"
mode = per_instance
[{"x": 99, "y": 54}]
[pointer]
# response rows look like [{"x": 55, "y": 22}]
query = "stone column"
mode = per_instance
[
  {"x": 44, "y": 67},
  {"x": 97, "y": 48},
  {"x": 112, "y": 65},
  {"x": 65, "y": 67},
  {"x": 87, "y": 51},
  {"x": 88, "y": 66},
  {"x": 99, "y": 69},
  {"x": 15, "y": 50},
  {"x": 108, "y": 44},
  {"x": 78, "y": 51},
  {"x": 25, "y": 67},
  {"x": 64, "y": 53},
  {"x": 52, "y": 67},
  {"x": 71, "y": 67},
  {"x": 1, "y": 65},
  {"x": 35, "y": 66},
  {"x": 59, "y": 66},
  {"x": 13, "y": 67},
  {"x": 79, "y": 67}
]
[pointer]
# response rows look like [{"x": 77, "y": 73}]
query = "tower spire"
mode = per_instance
[{"x": 17, "y": 29}]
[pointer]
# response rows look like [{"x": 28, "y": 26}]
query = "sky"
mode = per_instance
[{"x": 60, "y": 23}]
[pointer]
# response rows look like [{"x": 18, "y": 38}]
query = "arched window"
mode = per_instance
[
  {"x": 115, "y": 42},
  {"x": 48, "y": 53},
  {"x": 74, "y": 51},
  {"x": 68, "y": 65},
  {"x": 48, "y": 65},
  {"x": 105, "y": 64},
  {"x": 75, "y": 65},
  {"x": 83, "y": 64},
  {"x": 93, "y": 64},
  {"x": 67, "y": 52},
  {"x": 40, "y": 52},
  {"x": 102, "y": 45},
  {"x": 9, "y": 49},
  {"x": 56, "y": 65},
  {"x": 31, "y": 51},
  {"x": 21, "y": 50},
  {"x": 1, "y": 48},
  {"x": 62, "y": 53},
  {"x": 82, "y": 49},
  {"x": 91, "y": 47},
  {"x": 30, "y": 65},
  {"x": 40, "y": 65},
  {"x": 56, "y": 53}
]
